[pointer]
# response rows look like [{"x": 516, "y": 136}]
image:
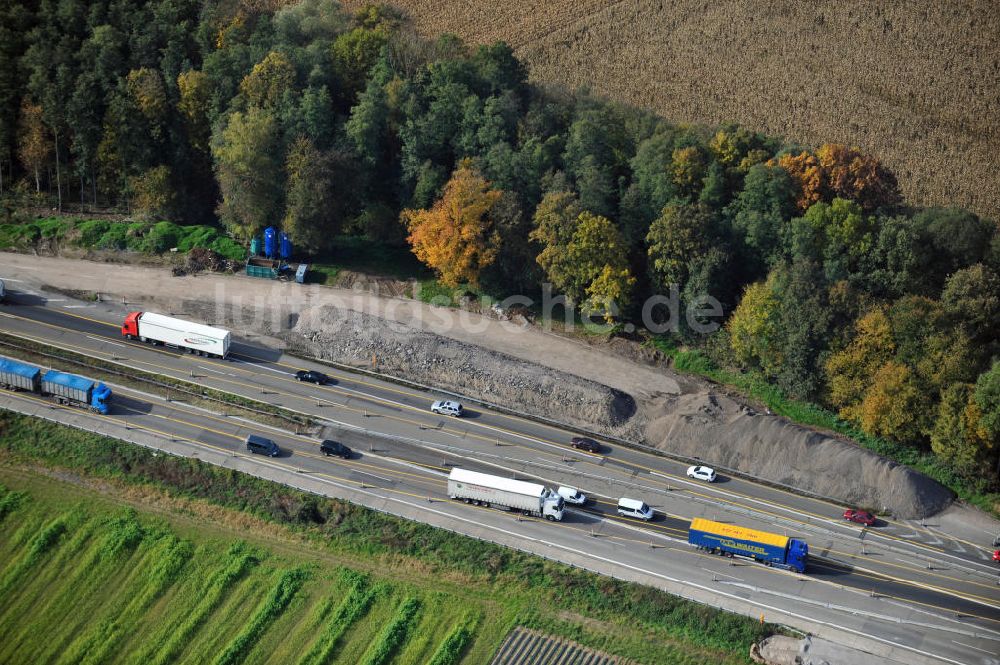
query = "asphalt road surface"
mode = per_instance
[{"x": 900, "y": 583}]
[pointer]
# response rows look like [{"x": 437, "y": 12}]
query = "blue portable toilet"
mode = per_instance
[
  {"x": 255, "y": 246},
  {"x": 270, "y": 246},
  {"x": 286, "y": 247}
]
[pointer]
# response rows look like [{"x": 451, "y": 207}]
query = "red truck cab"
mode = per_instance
[{"x": 130, "y": 328}]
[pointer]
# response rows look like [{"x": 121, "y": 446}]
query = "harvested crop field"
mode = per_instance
[{"x": 915, "y": 83}]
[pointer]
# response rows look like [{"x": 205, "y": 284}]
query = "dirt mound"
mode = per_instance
[
  {"x": 727, "y": 433},
  {"x": 394, "y": 348}
]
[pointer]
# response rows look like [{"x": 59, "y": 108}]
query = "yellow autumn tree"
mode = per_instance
[
  {"x": 269, "y": 79},
  {"x": 894, "y": 406},
  {"x": 753, "y": 327},
  {"x": 850, "y": 371},
  {"x": 146, "y": 90},
  {"x": 959, "y": 435},
  {"x": 455, "y": 237},
  {"x": 33, "y": 145},
  {"x": 195, "y": 90},
  {"x": 688, "y": 167}
]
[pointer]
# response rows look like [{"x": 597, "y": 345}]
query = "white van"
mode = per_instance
[{"x": 634, "y": 508}]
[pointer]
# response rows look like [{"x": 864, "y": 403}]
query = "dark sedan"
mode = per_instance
[
  {"x": 585, "y": 444},
  {"x": 859, "y": 516},
  {"x": 312, "y": 377},
  {"x": 329, "y": 448}
]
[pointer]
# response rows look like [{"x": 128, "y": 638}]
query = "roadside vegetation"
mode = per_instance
[
  {"x": 835, "y": 289},
  {"x": 413, "y": 593}
]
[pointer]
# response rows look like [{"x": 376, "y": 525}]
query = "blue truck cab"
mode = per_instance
[
  {"x": 69, "y": 388},
  {"x": 769, "y": 548}
]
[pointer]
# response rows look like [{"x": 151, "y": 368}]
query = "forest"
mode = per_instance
[{"x": 246, "y": 114}]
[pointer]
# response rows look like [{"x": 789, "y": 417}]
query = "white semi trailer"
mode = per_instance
[
  {"x": 483, "y": 489},
  {"x": 192, "y": 337}
]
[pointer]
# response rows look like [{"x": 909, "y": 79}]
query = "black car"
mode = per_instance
[
  {"x": 312, "y": 376},
  {"x": 329, "y": 447},
  {"x": 585, "y": 444}
]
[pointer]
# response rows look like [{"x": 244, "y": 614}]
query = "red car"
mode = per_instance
[
  {"x": 996, "y": 556},
  {"x": 859, "y": 516}
]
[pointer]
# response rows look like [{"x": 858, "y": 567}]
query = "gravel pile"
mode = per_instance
[{"x": 363, "y": 340}]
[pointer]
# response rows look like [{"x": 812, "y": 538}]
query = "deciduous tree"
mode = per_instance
[
  {"x": 249, "y": 170},
  {"x": 688, "y": 167},
  {"x": 753, "y": 327},
  {"x": 455, "y": 237},
  {"x": 33, "y": 145},
  {"x": 862, "y": 178},
  {"x": 555, "y": 221},
  {"x": 154, "y": 194},
  {"x": 598, "y": 266},
  {"x": 894, "y": 406},
  {"x": 850, "y": 371},
  {"x": 195, "y": 92},
  {"x": 807, "y": 176},
  {"x": 987, "y": 396},
  {"x": 310, "y": 214},
  {"x": 959, "y": 435},
  {"x": 269, "y": 80},
  {"x": 678, "y": 236}
]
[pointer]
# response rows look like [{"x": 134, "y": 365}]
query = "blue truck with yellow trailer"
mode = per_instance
[
  {"x": 65, "y": 388},
  {"x": 729, "y": 539}
]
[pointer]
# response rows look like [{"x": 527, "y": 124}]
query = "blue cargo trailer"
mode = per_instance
[
  {"x": 768, "y": 548},
  {"x": 71, "y": 389},
  {"x": 16, "y": 375}
]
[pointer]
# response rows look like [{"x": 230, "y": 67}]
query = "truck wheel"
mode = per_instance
[{"x": 550, "y": 518}]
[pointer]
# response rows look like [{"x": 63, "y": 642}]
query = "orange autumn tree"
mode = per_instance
[
  {"x": 454, "y": 237},
  {"x": 837, "y": 170}
]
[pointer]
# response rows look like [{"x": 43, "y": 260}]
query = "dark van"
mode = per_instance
[
  {"x": 329, "y": 447},
  {"x": 261, "y": 446}
]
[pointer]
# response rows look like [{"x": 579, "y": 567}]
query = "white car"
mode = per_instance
[
  {"x": 701, "y": 473},
  {"x": 447, "y": 408},
  {"x": 572, "y": 495}
]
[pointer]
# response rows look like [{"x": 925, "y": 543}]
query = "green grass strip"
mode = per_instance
[
  {"x": 288, "y": 585},
  {"x": 171, "y": 643},
  {"x": 46, "y": 539},
  {"x": 10, "y": 501},
  {"x": 170, "y": 556},
  {"x": 354, "y": 606},
  {"x": 450, "y": 651},
  {"x": 393, "y": 635}
]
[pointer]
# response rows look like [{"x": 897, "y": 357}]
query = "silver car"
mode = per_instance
[{"x": 447, "y": 408}]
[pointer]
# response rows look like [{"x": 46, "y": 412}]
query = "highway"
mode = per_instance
[{"x": 914, "y": 574}]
